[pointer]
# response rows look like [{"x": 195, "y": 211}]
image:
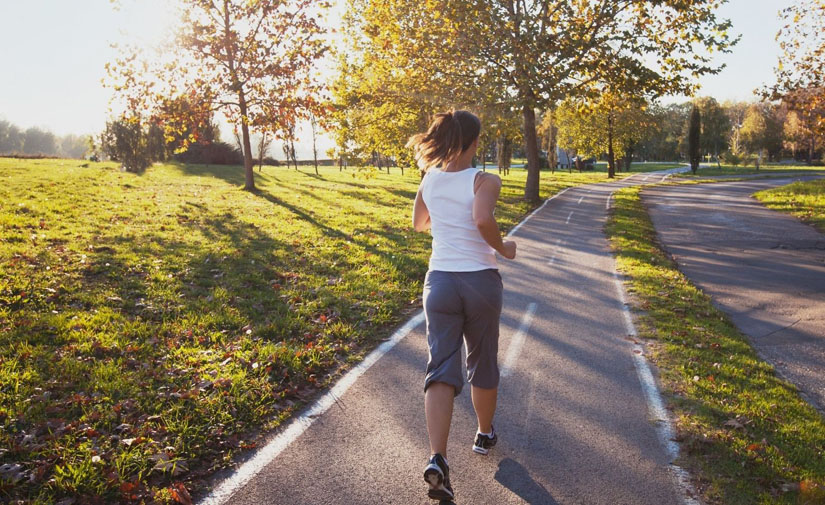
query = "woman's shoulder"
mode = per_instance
[
  {"x": 486, "y": 180},
  {"x": 487, "y": 177}
]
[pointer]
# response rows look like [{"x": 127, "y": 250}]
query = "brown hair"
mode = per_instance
[{"x": 450, "y": 134}]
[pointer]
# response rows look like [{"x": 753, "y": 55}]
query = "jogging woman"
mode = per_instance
[{"x": 462, "y": 289}]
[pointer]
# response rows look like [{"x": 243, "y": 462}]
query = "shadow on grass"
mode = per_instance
[{"x": 233, "y": 174}]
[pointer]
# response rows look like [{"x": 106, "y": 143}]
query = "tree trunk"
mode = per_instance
[
  {"x": 531, "y": 145},
  {"x": 500, "y": 153},
  {"x": 811, "y": 150},
  {"x": 314, "y": 147},
  {"x": 552, "y": 143},
  {"x": 261, "y": 149},
  {"x": 628, "y": 158},
  {"x": 611, "y": 160},
  {"x": 247, "y": 146}
]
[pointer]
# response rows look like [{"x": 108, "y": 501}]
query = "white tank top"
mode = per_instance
[{"x": 457, "y": 243}]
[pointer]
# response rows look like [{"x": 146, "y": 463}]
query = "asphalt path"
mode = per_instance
[
  {"x": 765, "y": 269},
  {"x": 573, "y": 421}
]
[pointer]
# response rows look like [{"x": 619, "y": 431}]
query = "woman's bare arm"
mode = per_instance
[
  {"x": 421, "y": 215},
  {"x": 484, "y": 205}
]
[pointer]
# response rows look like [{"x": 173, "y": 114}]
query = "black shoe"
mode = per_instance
[
  {"x": 483, "y": 443},
  {"x": 437, "y": 476}
]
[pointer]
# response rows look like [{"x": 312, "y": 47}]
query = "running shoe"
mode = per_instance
[
  {"x": 437, "y": 476},
  {"x": 484, "y": 443}
]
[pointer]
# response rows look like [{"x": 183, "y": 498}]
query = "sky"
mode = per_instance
[{"x": 52, "y": 54}]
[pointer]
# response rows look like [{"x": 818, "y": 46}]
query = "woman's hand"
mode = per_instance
[{"x": 508, "y": 249}]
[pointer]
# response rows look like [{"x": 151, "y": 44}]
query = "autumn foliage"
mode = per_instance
[
  {"x": 528, "y": 55},
  {"x": 800, "y": 73},
  {"x": 251, "y": 61}
]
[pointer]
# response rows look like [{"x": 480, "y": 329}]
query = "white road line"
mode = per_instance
[
  {"x": 555, "y": 251},
  {"x": 295, "y": 427},
  {"x": 516, "y": 227},
  {"x": 607, "y": 204},
  {"x": 580, "y": 200},
  {"x": 568, "y": 217},
  {"x": 655, "y": 404},
  {"x": 298, "y": 425},
  {"x": 518, "y": 341}
]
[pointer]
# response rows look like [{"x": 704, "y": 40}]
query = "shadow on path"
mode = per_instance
[{"x": 512, "y": 475}]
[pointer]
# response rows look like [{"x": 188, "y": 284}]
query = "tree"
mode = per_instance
[
  {"x": 263, "y": 146},
  {"x": 666, "y": 142},
  {"x": 251, "y": 60},
  {"x": 11, "y": 138},
  {"x": 809, "y": 112},
  {"x": 125, "y": 140},
  {"x": 549, "y": 133},
  {"x": 694, "y": 134},
  {"x": 37, "y": 141},
  {"x": 800, "y": 73},
  {"x": 797, "y": 135},
  {"x": 608, "y": 125},
  {"x": 715, "y": 127},
  {"x": 74, "y": 146},
  {"x": 532, "y": 54},
  {"x": 761, "y": 131},
  {"x": 313, "y": 122}
]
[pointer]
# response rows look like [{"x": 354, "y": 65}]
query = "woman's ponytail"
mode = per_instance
[{"x": 450, "y": 134}]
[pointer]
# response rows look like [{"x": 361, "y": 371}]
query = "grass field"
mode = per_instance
[
  {"x": 151, "y": 326},
  {"x": 711, "y": 170},
  {"x": 746, "y": 436},
  {"x": 805, "y": 200},
  {"x": 601, "y": 166}
]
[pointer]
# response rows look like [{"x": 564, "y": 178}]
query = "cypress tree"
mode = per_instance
[{"x": 694, "y": 129}]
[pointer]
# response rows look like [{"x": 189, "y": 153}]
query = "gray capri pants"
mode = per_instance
[{"x": 468, "y": 305}]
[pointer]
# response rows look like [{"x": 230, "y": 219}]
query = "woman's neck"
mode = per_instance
[{"x": 459, "y": 164}]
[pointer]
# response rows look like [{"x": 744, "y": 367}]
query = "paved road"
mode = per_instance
[
  {"x": 764, "y": 268},
  {"x": 574, "y": 427}
]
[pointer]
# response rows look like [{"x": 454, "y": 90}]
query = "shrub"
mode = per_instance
[
  {"x": 215, "y": 153},
  {"x": 125, "y": 140},
  {"x": 730, "y": 158}
]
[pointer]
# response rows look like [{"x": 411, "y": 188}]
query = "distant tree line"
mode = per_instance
[
  {"x": 37, "y": 141},
  {"x": 730, "y": 132},
  {"x": 136, "y": 144}
]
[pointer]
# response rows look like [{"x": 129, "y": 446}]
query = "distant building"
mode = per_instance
[{"x": 564, "y": 158}]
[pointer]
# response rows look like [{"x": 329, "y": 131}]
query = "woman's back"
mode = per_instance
[{"x": 457, "y": 243}]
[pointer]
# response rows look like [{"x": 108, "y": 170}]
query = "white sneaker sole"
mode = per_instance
[{"x": 435, "y": 479}]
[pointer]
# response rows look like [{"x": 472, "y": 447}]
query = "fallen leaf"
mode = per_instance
[
  {"x": 180, "y": 494},
  {"x": 734, "y": 423}
]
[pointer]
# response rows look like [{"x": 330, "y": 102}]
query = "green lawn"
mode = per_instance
[
  {"x": 151, "y": 326},
  {"x": 601, "y": 166},
  {"x": 746, "y": 436},
  {"x": 767, "y": 169},
  {"x": 805, "y": 200}
]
